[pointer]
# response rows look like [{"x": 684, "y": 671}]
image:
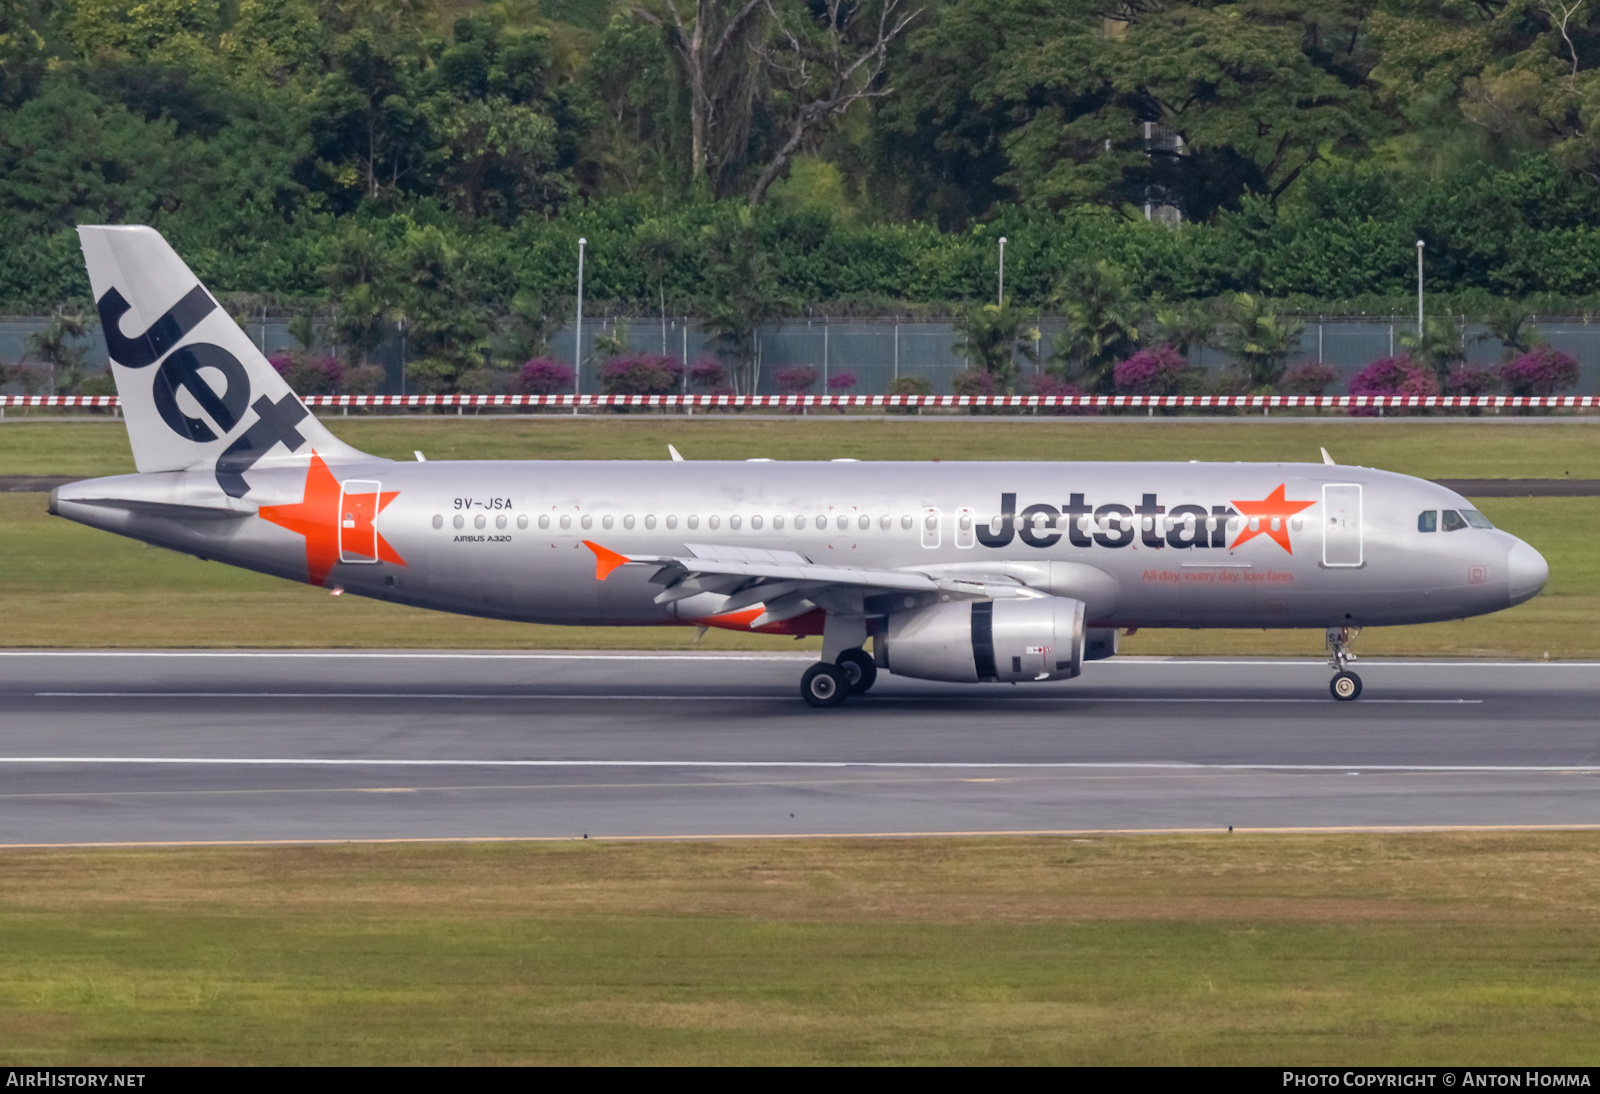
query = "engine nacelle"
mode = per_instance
[{"x": 1040, "y": 638}]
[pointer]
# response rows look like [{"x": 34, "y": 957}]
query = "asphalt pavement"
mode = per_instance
[{"x": 177, "y": 746}]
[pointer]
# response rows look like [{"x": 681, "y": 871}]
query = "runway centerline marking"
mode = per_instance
[
  {"x": 615, "y": 698},
  {"x": 925, "y": 765}
]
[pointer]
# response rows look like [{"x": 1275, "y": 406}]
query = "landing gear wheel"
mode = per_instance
[
  {"x": 824, "y": 685},
  {"x": 860, "y": 668},
  {"x": 1346, "y": 686}
]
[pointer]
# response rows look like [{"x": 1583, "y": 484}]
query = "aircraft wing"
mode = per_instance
[{"x": 787, "y": 583}]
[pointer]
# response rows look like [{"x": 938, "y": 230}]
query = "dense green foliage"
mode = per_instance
[{"x": 396, "y": 157}]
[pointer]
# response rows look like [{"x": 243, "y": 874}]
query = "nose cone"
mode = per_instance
[{"x": 1528, "y": 572}]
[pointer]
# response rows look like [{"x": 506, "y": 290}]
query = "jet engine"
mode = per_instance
[{"x": 1040, "y": 638}]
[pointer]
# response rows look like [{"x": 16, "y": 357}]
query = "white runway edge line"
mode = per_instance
[
  {"x": 604, "y": 655},
  {"x": 595, "y": 696},
  {"x": 908, "y": 765}
]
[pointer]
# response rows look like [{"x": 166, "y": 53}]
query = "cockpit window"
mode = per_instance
[
  {"x": 1476, "y": 519},
  {"x": 1428, "y": 520},
  {"x": 1453, "y": 521}
]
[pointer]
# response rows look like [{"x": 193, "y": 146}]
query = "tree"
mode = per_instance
[
  {"x": 361, "y": 291},
  {"x": 448, "y": 327},
  {"x": 1441, "y": 346},
  {"x": 826, "y": 61},
  {"x": 1102, "y": 328},
  {"x": 990, "y": 336},
  {"x": 713, "y": 41},
  {"x": 59, "y": 345},
  {"x": 1259, "y": 339},
  {"x": 657, "y": 247},
  {"x": 744, "y": 292}
]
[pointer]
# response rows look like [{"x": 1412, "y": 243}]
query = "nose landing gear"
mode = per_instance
[{"x": 1345, "y": 685}]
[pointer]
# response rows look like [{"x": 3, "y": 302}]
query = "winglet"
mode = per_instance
[
  {"x": 677, "y": 457},
  {"x": 605, "y": 560},
  {"x": 1327, "y": 459}
]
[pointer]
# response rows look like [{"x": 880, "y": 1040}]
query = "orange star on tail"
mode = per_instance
[
  {"x": 316, "y": 516},
  {"x": 1275, "y": 505}
]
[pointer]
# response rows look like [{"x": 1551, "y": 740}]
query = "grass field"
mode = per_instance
[
  {"x": 66, "y": 585},
  {"x": 1472, "y": 448},
  {"x": 1315, "y": 949}
]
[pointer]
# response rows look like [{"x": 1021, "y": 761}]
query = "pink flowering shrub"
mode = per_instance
[
  {"x": 282, "y": 362},
  {"x": 1471, "y": 380},
  {"x": 975, "y": 381},
  {"x": 1308, "y": 378},
  {"x": 708, "y": 374},
  {"x": 1157, "y": 371},
  {"x": 1543, "y": 370},
  {"x": 795, "y": 379},
  {"x": 841, "y": 382},
  {"x": 1044, "y": 384},
  {"x": 543, "y": 376},
  {"x": 1392, "y": 376},
  {"x": 641, "y": 374},
  {"x": 320, "y": 375}
]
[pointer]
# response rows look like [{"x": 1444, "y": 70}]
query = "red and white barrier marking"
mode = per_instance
[{"x": 1009, "y": 402}]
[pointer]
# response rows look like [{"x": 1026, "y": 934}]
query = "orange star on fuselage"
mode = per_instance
[
  {"x": 1275, "y": 505},
  {"x": 316, "y": 516}
]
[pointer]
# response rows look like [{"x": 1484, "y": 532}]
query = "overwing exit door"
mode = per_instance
[
  {"x": 1341, "y": 524},
  {"x": 358, "y": 510}
]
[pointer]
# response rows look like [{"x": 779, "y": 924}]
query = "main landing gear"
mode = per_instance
[
  {"x": 1345, "y": 685},
  {"x": 825, "y": 685}
]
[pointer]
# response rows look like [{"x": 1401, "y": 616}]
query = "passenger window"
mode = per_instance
[
  {"x": 605, "y": 522},
  {"x": 1453, "y": 521},
  {"x": 522, "y": 521},
  {"x": 885, "y": 522},
  {"x": 1428, "y": 521},
  {"x": 544, "y": 520},
  {"x": 672, "y": 522},
  {"x": 649, "y": 520},
  {"x": 755, "y": 522},
  {"x": 777, "y": 523},
  {"x": 566, "y": 521},
  {"x": 865, "y": 522},
  {"x": 694, "y": 521},
  {"x": 905, "y": 523},
  {"x": 844, "y": 522},
  {"x": 458, "y": 520},
  {"x": 500, "y": 521},
  {"x": 627, "y": 522},
  {"x": 715, "y": 521},
  {"x": 438, "y": 521},
  {"x": 1475, "y": 518}
]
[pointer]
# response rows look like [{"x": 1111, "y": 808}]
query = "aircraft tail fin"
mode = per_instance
[{"x": 195, "y": 391}]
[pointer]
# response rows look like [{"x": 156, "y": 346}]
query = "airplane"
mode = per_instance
[{"x": 956, "y": 571}]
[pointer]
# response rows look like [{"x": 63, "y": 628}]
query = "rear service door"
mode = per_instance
[
  {"x": 1341, "y": 524},
  {"x": 358, "y": 508}
]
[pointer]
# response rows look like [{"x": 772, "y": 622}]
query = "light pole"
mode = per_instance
[
  {"x": 578, "y": 338},
  {"x": 1002, "y": 294},
  {"x": 1420, "y": 245},
  {"x": 402, "y": 325}
]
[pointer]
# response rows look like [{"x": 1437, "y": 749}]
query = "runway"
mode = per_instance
[{"x": 120, "y": 747}]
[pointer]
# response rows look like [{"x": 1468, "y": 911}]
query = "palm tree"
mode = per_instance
[
  {"x": 1103, "y": 322},
  {"x": 1441, "y": 346},
  {"x": 1259, "y": 339},
  {"x": 657, "y": 247},
  {"x": 990, "y": 335},
  {"x": 58, "y": 344}
]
